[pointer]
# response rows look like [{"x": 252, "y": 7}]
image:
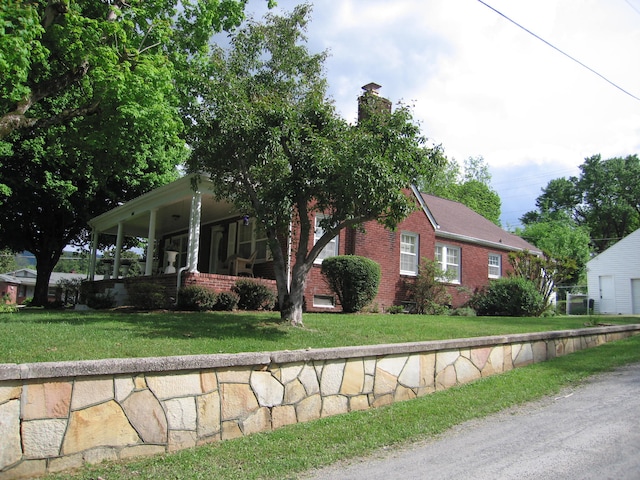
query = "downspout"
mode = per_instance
[{"x": 179, "y": 281}]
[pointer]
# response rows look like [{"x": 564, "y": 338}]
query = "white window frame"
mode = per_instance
[
  {"x": 256, "y": 240},
  {"x": 331, "y": 249},
  {"x": 444, "y": 256},
  {"x": 324, "y": 301},
  {"x": 409, "y": 253},
  {"x": 495, "y": 266}
]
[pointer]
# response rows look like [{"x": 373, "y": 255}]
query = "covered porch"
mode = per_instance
[{"x": 189, "y": 235}]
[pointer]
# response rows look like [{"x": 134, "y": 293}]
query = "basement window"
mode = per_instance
[{"x": 324, "y": 301}]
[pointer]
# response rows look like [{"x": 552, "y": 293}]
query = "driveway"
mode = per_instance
[{"x": 589, "y": 432}]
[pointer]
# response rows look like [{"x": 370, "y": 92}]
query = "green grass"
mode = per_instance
[
  {"x": 292, "y": 450},
  {"x": 43, "y": 336}
]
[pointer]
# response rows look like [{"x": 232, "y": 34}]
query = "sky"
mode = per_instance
[{"x": 482, "y": 86}]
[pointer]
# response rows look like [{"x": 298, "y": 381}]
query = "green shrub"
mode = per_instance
[
  {"x": 463, "y": 312},
  {"x": 428, "y": 291},
  {"x": 353, "y": 279},
  {"x": 227, "y": 301},
  {"x": 253, "y": 295},
  {"x": 196, "y": 298},
  {"x": 509, "y": 296},
  {"x": 395, "y": 309},
  {"x": 7, "y": 307},
  {"x": 100, "y": 301},
  {"x": 147, "y": 296}
]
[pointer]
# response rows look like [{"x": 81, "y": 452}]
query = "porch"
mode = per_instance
[
  {"x": 171, "y": 282},
  {"x": 185, "y": 228}
]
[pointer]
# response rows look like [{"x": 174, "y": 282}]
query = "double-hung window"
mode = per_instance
[
  {"x": 252, "y": 238},
  {"x": 331, "y": 249},
  {"x": 495, "y": 265},
  {"x": 449, "y": 259},
  {"x": 409, "y": 251}
]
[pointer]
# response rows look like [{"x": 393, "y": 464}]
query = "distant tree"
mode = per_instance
[
  {"x": 90, "y": 93},
  {"x": 271, "y": 140},
  {"x": 471, "y": 186},
  {"x": 544, "y": 271},
  {"x": 560, "y": 238},
  {"x": 605, "y": 199},
  {"x": 8, "y": 261},
  {"x": 73, "y": 262}
]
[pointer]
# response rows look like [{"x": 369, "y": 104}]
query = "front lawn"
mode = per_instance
[{"x": 44, "y": 336}]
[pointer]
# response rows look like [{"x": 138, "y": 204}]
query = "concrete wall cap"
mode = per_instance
[{"x": 111, "y": 366}]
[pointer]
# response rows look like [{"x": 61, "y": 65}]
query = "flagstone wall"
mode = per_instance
[{"x": 57, "y": 416}]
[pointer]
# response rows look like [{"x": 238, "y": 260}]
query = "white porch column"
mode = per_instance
[
  {"x": 148, "y": 269},
  {"x": 116, "y": 260},
  {"x": 194, "y": 232},
  {"x": 93, "y": 255}
]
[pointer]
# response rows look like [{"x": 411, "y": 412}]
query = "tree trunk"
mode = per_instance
[
  {"x": 291, "y": 309},
  {"x": 44, "y": 268},
  {"x": 292, "y": 301}
]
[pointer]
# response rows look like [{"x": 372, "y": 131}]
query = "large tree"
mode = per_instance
[
  {"x": 271, "y": 140},
  {"x": 604, "y": 198},
  {"x": 90, "y": 96}
]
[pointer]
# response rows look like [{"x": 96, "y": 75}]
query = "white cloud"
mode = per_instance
[{"x": 483, "y": 86}]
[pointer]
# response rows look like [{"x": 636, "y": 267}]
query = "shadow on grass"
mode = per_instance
[{"x": 169, "y": 324}]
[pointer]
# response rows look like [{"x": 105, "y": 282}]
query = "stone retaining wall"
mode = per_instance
[{"x": 60, "y": 415}]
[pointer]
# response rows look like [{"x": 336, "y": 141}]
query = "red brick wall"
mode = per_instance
[
  {"x": 474, "y": 270},
  {"x": 11, "y": 292},
  {"x": 383, "y": 246}
]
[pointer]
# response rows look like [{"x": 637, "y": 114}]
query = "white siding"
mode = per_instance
[{"x": 622, "y": 262}]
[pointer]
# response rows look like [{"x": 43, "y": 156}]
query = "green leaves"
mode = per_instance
[{"x": 605, "y": 199}]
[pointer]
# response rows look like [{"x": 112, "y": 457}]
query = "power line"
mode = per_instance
[
  {"x": 560, "y": 51},
  {"x": 633, "y": 6}
]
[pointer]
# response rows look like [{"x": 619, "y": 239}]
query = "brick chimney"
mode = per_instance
[{"x": 371, "y": 100}]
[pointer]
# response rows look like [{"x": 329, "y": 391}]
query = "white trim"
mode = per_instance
[
  {"x": 415, "y": 253},
  {"x": 332, "y": 248},
  {"x": 444, "y": 264},
  {"x": 490, "y": 265}
]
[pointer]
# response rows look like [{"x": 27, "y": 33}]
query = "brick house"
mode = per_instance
[
  {"x": 473, "y": 248},
  {"x": 194, "y": 238}
]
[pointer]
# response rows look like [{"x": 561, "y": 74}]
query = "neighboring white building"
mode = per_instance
[{"x": 613, "y": 277}]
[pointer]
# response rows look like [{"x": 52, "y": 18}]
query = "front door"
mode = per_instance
[{"x": 607, "y": 294}]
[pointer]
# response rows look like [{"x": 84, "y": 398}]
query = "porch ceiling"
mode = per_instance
[{"x": 173, "y": 205}]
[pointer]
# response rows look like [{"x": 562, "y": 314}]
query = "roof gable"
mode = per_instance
[
  {"x": 628, "y": 245},
  {"x": 457, "y": 221}
]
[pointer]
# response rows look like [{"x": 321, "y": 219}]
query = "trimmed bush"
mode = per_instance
[
  {"x": 147, "y": 296},
  {"x": 395, "y": 309},
  {"x": 253, "y": 295},
  {"x": 196, "y": 298},
  {"x": 509, "y": 296},
  {"x": 100, "y": 301},
  {"x": 354, "y": 279},
  {"x": 227, "y": 301}
]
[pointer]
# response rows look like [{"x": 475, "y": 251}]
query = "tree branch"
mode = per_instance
[{"x": 17, "y": 119}]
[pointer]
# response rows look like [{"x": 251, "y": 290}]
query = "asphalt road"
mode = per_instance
[{"x": 589, "y": 432}]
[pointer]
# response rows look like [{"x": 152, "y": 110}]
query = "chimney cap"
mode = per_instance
[{"x": 372, "y": 87}]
